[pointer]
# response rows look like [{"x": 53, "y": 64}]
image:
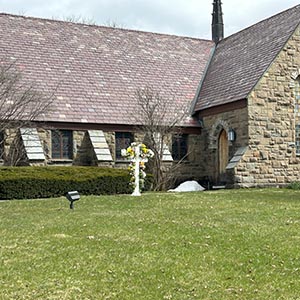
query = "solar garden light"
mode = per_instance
[{"x": 72, "y": 197}]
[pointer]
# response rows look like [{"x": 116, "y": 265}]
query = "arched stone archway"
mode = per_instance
[{"x": 215, "y": 132}]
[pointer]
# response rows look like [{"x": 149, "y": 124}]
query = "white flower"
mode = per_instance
[
  {"x": 123, "y": 152},
  {"x": 150, "y": 153},
  {"x": 144, "y": 154}
]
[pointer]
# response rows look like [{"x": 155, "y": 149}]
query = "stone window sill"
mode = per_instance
[
  {"x": 120, "y": 161},
  {"x": 60, "y": 161}
]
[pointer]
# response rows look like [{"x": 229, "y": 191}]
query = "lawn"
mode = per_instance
[{"x": 231, "y": 244}]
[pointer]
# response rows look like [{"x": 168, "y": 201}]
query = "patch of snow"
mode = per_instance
[{"x": 188, "y": 186}]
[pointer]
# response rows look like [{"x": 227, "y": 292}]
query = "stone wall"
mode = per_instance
[
  {"x": 45, "y": 138},
  {"x": 83, "y": 154},
  {"x": 192, "y": 167},
  {"x": 10, "y": 154},
  {"x": 271, "y": 157}
]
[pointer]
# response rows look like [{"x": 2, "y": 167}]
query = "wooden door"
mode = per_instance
[{"x": 223, "y": 154}]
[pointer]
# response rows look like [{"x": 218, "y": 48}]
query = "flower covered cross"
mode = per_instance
[{"x": 139, "y": 155}]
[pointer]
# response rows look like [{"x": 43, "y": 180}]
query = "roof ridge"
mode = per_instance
[
  {"x": 250, "y": 51},
  {"x": 262, "y": 21},
  {"x": 103, "y": 26}
]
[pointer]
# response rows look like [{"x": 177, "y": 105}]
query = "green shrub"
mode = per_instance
[
  {"x": 294, "y": 185},
  {"x": 45, "y": 182}
]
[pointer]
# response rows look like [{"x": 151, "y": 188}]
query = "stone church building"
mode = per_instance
[{"x": 243, "y": 91}]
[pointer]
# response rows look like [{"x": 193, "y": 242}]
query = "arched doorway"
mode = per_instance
[{"x": 222, "y": 155}]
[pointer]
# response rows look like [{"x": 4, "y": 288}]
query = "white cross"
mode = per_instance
[{"x": 137, "y": 161}]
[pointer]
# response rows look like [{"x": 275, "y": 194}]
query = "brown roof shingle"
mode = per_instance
[
  {"x": 95, "y": 71},
  {"x": 240, "y": 60}
]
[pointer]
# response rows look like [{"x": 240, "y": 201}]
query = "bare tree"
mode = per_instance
[
  {"x": 158, "y": 119},
  {"x": 90, "y": 21},
  {"x": 20, "y": 105},
  {"x": 79, "y": 19},
  {"x": 114, "y": 24}
]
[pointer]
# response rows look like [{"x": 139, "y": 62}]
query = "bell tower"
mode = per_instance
[{"x": 217, "y": 26}]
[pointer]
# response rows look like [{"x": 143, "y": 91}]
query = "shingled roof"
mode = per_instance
[
  {"x": 240, "y": 60},
  {"x": 95, "y": 71}
]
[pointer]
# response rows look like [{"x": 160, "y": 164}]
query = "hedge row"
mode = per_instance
[{"x": 45, "y": 182}]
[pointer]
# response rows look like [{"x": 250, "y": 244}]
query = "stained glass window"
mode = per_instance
[
  {"x": 2, "y": 141},
  {"x": 62, "y": 144},
  {"x": 179, "y": 146},
  {"x": 123, "y": 141}
]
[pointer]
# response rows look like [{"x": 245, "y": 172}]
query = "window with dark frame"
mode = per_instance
[
  {"x": 62, "y": 144},
  {"x": 179, "y": 146},
  {"x": 123, "y": 141},
  {"x": 2, "y": 142}
]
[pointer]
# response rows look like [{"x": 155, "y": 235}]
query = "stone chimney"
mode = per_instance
[{"x": 217, "y": 26}]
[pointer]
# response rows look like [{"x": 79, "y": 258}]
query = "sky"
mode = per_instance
[{"x": 180, "y": 17}]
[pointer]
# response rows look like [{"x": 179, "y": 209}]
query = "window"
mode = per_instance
[
  {"x": 62, "y": 144},
  {"x": 2, "y": 141},
  {"x": 297, "y": 111},
  {"x": 123, "y": 141},
  {"x": 179, "y": 146}
]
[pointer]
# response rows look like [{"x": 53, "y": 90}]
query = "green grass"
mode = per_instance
[{"x": 233, "y": 244}]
